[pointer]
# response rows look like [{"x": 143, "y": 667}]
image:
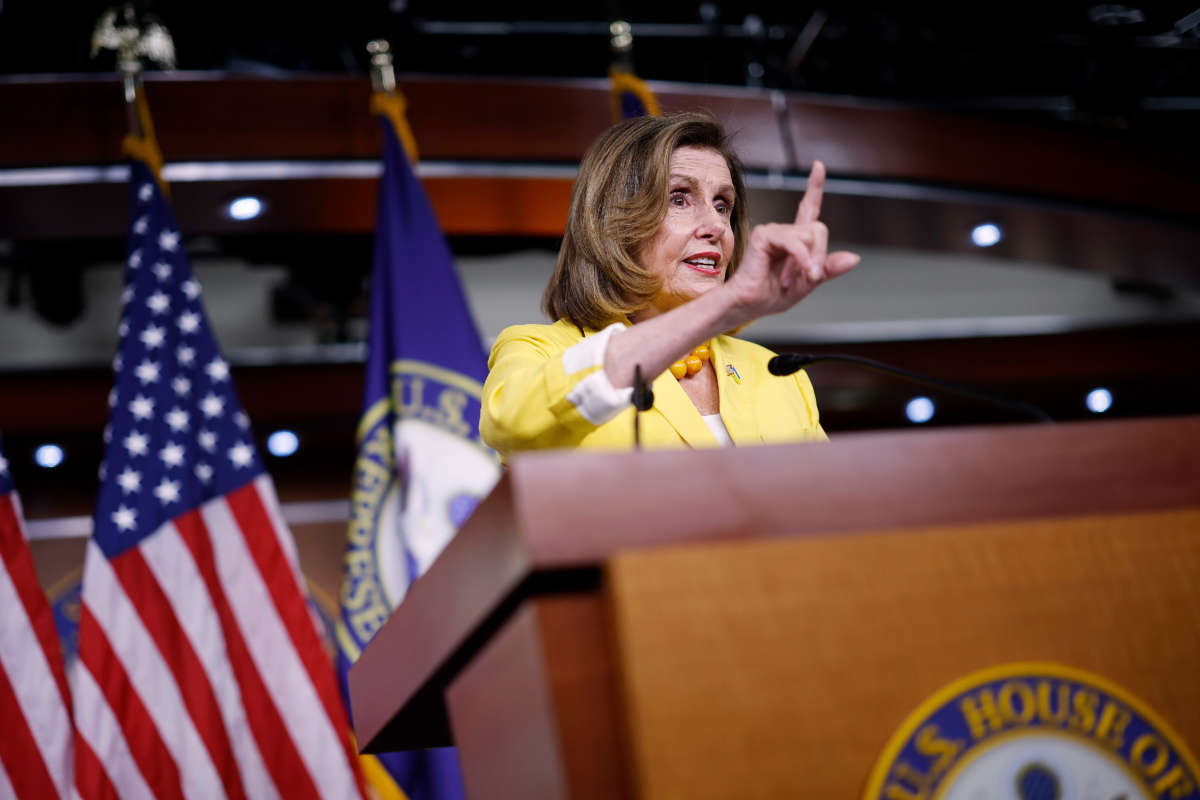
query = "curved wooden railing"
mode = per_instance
[{"x": 499, "y": 157}]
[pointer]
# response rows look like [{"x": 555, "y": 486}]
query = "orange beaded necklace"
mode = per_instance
[{"x": 692, "y": 364}]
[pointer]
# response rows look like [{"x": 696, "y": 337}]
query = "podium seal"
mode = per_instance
[{"x": 1031, "y": 731}]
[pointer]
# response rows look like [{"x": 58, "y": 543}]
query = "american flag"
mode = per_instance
[
  {"x": 200, "y": 673},
  {"x": 35, "y": 747}
]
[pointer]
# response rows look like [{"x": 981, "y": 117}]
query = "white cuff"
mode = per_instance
[
  {"x": 596, "y": 399},
  {"x": 590, "y": 352}
]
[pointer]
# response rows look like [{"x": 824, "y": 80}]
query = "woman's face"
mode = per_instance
[{"x": 692, "y": 248}]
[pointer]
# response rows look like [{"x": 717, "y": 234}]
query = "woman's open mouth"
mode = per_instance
[{"x": 705, "y": 263}]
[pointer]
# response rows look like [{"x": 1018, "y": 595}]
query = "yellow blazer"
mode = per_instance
[{"x": 529, "y": 402}]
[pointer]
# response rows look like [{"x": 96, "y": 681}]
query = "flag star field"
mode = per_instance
[{"x": 178, "y": 435}]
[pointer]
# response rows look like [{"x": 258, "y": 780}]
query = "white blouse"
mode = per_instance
[{"x": 714, "y": 423}]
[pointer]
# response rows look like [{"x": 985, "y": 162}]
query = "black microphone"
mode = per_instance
[
  {"x": 643, "y": 400},
  {"x": 787, "y": 363}
]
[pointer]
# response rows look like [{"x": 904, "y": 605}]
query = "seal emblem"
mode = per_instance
[
  {"x": 1034, "y": 732},
  {"x": 422, "y": 469}
]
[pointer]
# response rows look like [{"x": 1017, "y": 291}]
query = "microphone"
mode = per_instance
[
  {"x": 788, "y": 363},
  {"x": 643, "y": 400}
]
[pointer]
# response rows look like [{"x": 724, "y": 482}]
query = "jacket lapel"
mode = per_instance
[
  {"x": 677, "y": 409},
  {"x": 734, "y": 396}
]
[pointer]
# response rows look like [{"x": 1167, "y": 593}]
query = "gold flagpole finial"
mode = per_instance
[
  {"x": 383, "y": 76},
  {"x": 620, "y": 44},
  {"x": 620, "y": 36},
  {"x": 119, "y": 29},
  {"x": 385, "y": 100}
]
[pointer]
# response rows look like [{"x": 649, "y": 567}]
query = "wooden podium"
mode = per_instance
[{"x": 757, "y": 622}]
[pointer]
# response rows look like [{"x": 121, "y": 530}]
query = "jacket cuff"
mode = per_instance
[{"x": 594, "y": 397}]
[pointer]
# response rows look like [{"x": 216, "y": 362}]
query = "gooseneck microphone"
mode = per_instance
[{"x": 788, "y": 363}]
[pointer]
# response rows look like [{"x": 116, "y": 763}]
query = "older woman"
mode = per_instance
[{"x": 656, "y": 267}]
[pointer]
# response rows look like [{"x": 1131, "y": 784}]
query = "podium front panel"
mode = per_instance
[{"x": 780, "y": 668}]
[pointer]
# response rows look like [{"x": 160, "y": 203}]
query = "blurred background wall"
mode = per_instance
[{"x": 1021, "y": 182}]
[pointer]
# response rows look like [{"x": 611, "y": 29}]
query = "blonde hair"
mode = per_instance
[{"x": 618, "y": 203}]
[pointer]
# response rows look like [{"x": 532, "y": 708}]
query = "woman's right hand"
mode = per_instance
[{"x": 784, "y": 263}]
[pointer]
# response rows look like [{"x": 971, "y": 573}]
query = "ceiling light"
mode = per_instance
[
  {"x": 244, "y": 208},
  {"x": 48, "y": 456},
  {"x": 919, "y": 410},
  {"x": 1099, "y": 400},
  {"x": 283, "y": 443},
  {"x": 986, "y": 234}
]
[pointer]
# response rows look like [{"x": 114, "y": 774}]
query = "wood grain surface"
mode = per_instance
[
  {"x": 536, "y": 713},
  {"x": 779, "y": 668},
  {"x": 856, "y": 482}
]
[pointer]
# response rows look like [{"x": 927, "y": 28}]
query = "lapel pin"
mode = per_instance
[{"x": 731, "y": 370}]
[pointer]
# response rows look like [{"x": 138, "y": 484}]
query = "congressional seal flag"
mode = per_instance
[
  {"x": 35, "y": 748},
  {"x": 421, "y": 466},
  {"x": 200, "y": 672}
]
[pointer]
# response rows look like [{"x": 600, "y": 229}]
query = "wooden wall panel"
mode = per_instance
[{"x": 201, "y": 116}]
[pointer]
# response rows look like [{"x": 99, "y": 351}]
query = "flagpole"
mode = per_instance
[{"x": 131, "y": 81}]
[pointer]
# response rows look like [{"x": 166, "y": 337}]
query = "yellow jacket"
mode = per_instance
[{"x": 537, "y": 395}]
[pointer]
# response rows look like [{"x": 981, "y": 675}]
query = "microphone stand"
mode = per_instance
[{"x": 643, "y": 400}]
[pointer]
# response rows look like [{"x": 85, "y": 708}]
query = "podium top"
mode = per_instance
[{"x": 555, "y": 517}]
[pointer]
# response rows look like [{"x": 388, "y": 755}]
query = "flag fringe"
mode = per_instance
[
  {"x": 391, "y": 106},
  {"x": 145, "y": 148},
  {"x": 625, "y": 81}
]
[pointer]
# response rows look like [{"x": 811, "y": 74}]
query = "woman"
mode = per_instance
[{"x": 656, "y": 262}]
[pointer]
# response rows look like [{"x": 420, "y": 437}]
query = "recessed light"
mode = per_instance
[
  {"x": 48, "y": 456},
  {"x": 919, "y": 410},
  {"x": 1099, "y": 400},
  {"x": 283, "y": 443},
  {"x": 244, "y": 208},
  {"x": 986, "y": 234}
]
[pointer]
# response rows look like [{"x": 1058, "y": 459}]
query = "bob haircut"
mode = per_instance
[{"x": 617, "y": 206}]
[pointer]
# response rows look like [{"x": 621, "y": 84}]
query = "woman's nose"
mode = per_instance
[{"x": 711, "y": 223}]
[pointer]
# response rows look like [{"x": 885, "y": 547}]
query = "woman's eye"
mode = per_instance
[
  {"x": 723, "y": 209},
  {"x": 678, "y": 199}
]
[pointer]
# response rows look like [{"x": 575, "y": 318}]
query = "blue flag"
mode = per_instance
[{"x": 421, "y": 466}]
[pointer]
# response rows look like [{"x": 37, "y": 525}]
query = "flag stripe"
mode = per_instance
[
  {"x": 19, "y": 563},
  {"x": 270, "y": 503},
  {"x": 274, "y": 652},
  {"x": 6, "y": 787},
  {"x": 99, "y": 735},
  {"x": 36, "y": 706},
  {"x": 152, "y": 605},
  {"x": 288, "y": 770},
  {"x": 161, "y": 697},
  {"x": 141, "y": 735},
  {"x": 178, "y": 573},
  {"x": 89, "y": 773},
  {"x": 256, "y": 505},
  {"x": 20, "y": 756}
]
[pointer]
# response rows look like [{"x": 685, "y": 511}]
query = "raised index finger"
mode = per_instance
[{"x": 810, "y": 204}]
